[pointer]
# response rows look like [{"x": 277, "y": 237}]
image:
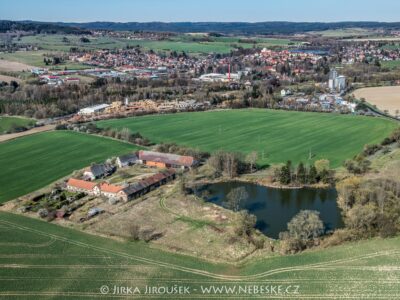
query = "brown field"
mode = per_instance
[
  {"x": 13, "y": 66},
  {"x": 385, "y": 98}
]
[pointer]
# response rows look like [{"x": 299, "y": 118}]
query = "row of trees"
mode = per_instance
[
  {"x": 124, "y": 134},
  {"x": 318, "y": 172},
  {"x": 360, "y": 164},
  {"x": 232, "y": 164}
]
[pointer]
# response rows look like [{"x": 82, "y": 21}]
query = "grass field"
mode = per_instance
[
  {"x": 7, "y": 122},
  {"x": 41, "y": 260},
  {"x": 179, "y": 43},
  {"x": 34, "y": 58},
  {"x": 31, "y": 162},
  {"x": 392, "y": 64},
  {"x": 281, "y": 135},
  {"x": 385, "y": 97}
]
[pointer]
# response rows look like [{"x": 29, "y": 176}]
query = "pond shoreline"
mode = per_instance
[
  {"x": 264, "y": 184},
  {"x": 273, "y": 206}
]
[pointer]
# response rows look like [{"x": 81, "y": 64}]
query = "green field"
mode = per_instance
[
  {"x": 392, "y": 64},
  {"x": 179, "y": 43},
  {"x": 36, "y": 59},
  {"x": 6, "y": 123},
  {"x": 278, "y": 135},
  {"x": 40, "y": 260},
  {"x": 31, "y": 162}
]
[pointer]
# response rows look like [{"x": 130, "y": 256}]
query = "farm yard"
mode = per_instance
[
  {"x": 277, "y": 136},
  {"x": 52, "y": 261},
  {"x": 385, "y": 98},
  {"x": 42, "y": 158}
]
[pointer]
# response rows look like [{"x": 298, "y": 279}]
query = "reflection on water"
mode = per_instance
[{"x": 274, "y": 208}]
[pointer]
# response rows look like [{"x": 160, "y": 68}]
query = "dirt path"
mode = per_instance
[{"x": 11, "y": 136}]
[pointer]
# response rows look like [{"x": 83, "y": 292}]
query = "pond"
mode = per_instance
[{"x": 274, "y": 208}]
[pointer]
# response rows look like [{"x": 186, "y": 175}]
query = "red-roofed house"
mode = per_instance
[{"x": 77, "y": 185}]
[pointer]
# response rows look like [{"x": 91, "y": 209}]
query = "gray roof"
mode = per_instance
[
  {"x": 100, "y": 169},
  {"x": 128, "y": 158}
]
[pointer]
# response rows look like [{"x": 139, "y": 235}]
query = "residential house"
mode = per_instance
[
  {"x": 107, "y": 190},
  {"x": 126, "y": 160},
  {"x": 98, "y": 171},
  {"x": 77, "y": 185}
]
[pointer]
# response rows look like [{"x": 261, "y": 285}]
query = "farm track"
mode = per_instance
[
  {"x": 317, "y": 266},
  {"x": 12, "y": 136}
]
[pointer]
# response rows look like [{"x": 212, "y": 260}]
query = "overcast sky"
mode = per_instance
[{"x": 200, "y": 10}]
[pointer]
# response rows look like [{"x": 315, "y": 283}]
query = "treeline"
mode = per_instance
[
  {"x": 232, "y": 164},
  {"x": 43, "y": 101},
  {"x": 124, "y": 134},
  {"x": 371, "y": 206},
  {"x": 303, "y": 175},
  {"x": 39, "y": 27},
  {"x": 360, "y": 164},
  {"x": 233, "y": 27}
]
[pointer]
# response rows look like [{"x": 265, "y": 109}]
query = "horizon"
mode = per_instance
[{"x": 173, "y": 11}]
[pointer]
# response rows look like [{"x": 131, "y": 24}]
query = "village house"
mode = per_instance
[
  {"x": 166, "y": 160},
  {"x": 127, "y": 160},
  {"x": 97, "y": 171},
  {"x": 107, "y": 190},
  {"x": 81, "y": 186}
]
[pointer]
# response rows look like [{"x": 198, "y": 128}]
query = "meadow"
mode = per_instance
[
  {"x": 277, "y": 136},
  {"x": 6, "y": 123},
  {"x": 178, "y": 43},
  {"x": 27, "y": 59},
  {"x": 32, "y": 162},
  {"x": 40, "y": 260}
]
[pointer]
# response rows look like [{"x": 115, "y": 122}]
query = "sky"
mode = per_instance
[{"x": 200, "y": 10}]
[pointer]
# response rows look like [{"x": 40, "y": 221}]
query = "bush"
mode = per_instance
[{"x": 43, "y": 213}]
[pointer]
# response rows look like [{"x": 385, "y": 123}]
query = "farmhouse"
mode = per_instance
[
  {"x": 126, "y": 160},
  {"x": 146, "y": 185},
  {"x": 98, "y": 171},
  {"x": 76, "y": 185},
  {"x": 165, "y": 160},
  {"x": 107, "y": 190}
]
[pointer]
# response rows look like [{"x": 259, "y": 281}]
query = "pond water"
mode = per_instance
[{"x": 274, "y": 208}]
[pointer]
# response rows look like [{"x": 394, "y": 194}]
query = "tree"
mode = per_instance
[
  {"x": 247, "y": 223},
  {"x": 322, "y": 164},
  {"x": 313, "y": 175},
  {"x": 306, "y": 225},
  {"x": 251, "y": 159},
  {"x": 235, "y": 197},
  {"x": 285, "y": 176},
  {"x": 301, "y": 173}
]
